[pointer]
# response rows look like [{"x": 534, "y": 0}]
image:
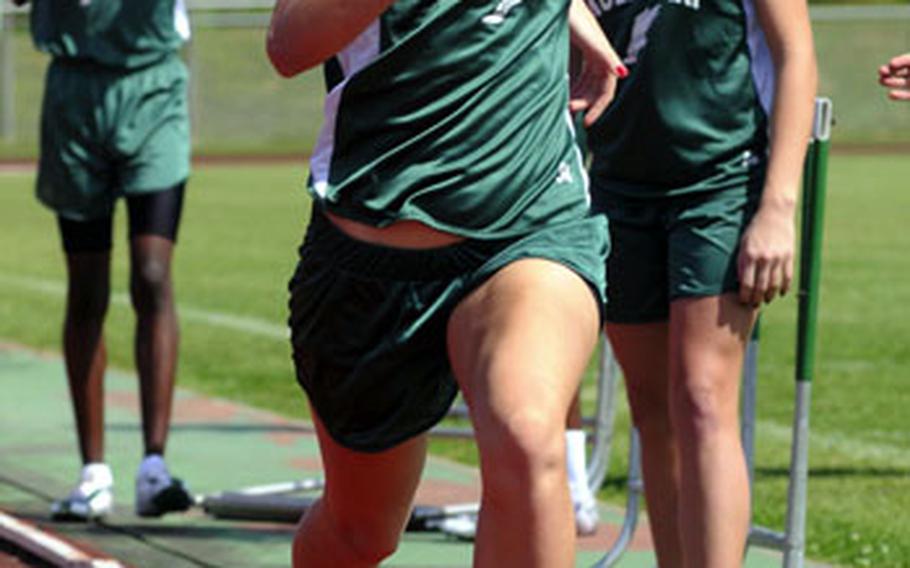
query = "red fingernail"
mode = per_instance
[{"x": 622, "y": 72}]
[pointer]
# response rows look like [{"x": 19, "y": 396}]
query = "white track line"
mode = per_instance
[
  {"x": 17, "y": 169},
  {"x": 243, "y": 324},
  {"x": 48, "y": 547},
  {"x": 854, "y": 448}
]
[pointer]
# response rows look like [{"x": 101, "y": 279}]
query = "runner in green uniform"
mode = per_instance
[
  {"x": 699, "y": 180},
  {"x": 114, "y": 123},
  {"x": 451, "y": 245}
]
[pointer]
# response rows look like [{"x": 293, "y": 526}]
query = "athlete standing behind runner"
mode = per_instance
[
  {"x": 450, "y": 235},
  {"x": 114, "y": 123},
  {"x": 699, "y": 179}
]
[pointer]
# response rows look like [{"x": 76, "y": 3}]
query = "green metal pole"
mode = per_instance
[{"x": 813, "y": 211}]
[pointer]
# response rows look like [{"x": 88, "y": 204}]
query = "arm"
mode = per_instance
[
  {"x": 896, "y": 76},
  {"x": 595, "y": 83},
  {"x": 304, "y": 33},
  {"x": 767, "y": 249}
]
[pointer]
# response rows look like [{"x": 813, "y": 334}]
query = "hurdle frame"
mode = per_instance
[{"x": 792, "y": 541}]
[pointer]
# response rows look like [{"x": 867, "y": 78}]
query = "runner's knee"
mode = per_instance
[
  {"x": 86, "y": 303},
  {"x": 521, "y": 448},
  {"x": 368, "y": 542},
  {"x": 650, "y": 407},
  {"x": 151, "y": 285},
  {"x": 703, "y": 405}
]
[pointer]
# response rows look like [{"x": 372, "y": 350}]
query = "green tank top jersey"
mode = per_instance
[
  {"x": 454, "y": 114},
  {"x": 115, "y": 33},
  {"x": 692, "y": 115}
]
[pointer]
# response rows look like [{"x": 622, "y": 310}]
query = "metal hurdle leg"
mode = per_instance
[
  {"x": 792, "y": 541},
  {"x": 748, "y": 405},
  {"x": 635, "y": 488},
  {"x": 275, "y": 503},
  {"x": 604, "y": 418}
]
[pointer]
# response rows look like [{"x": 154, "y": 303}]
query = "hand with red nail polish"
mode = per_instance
[{"x": 595, "y": 64}]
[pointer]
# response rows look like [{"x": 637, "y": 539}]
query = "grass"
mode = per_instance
[
  {"x": 242, "y": 225},
  {"x": 230, "y": 71},
  {"x": 236, "y": 252}
]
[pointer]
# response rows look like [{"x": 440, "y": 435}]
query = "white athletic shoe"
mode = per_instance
[
  {"x": 157, "y": 492},
  {"x": 92, "y": 498},
  {"x": 587, "y": 516},
  {"x": 462, "y": 527}
]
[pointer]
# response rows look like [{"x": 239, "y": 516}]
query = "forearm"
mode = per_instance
[
  {"x": 585, "y": 32},
  {"x": 304, "y": 33},
  {"x": 765, "y": 261},
  {"x": 789, "y": 35},
  {"x": 791, "y": 125}
]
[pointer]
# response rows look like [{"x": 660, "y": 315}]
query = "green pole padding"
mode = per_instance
[{"x": 815, "y": 176}]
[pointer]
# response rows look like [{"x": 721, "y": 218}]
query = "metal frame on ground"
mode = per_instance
[{"x": 49, "y": 547}]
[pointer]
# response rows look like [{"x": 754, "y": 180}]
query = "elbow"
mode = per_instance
[
  {"x": 291, "y": 56},
  {"x": 284, "y": 68},
  {"x": 281, "y": 60}
]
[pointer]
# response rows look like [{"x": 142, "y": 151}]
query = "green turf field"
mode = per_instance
[
  {"x": 240, "y": 105},
  {"x": 237, "y": 250}
]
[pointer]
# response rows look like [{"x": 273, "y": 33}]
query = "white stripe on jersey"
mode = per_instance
[
  {"x": 181, "y": 20},
  {"x": 762, "y": 64},
  {"x": 579, "y": 159},
  {"x": 357, "y": 55}
]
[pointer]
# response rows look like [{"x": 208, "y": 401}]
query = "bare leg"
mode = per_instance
[
  {"x": 83, "y": 347},
  {"x": 707, "y": 341},
  {"x": 518, "y": 346},
  {"x": 641, "y": 350},
  {"x": 364, "y": 508},
  {"x": 156, "y": 338}
]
